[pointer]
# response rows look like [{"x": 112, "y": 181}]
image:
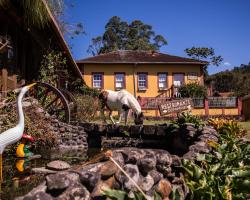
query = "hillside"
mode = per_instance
[{"x": 236, "y": 80}]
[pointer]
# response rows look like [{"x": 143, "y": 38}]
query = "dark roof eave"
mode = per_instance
[{"x": 93, "y": 62}]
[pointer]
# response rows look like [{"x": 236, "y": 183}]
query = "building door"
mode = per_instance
[{"x": 178, "y": 79}]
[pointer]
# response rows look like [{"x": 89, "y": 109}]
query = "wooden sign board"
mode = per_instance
[{"x": 175, "y": 106}]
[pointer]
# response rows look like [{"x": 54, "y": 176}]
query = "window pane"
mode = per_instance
[
  {"x": 162, "y": 78},
  {"x": 119, "y": 77},
  {"x": 118, "y": 85},
  {"x": 142, "y": 80},
  {"x": 97, "y": 81},
  {"x": 119, "y": 81},
  {"x": 178, "y": 79},
  {"x": 162, "y": 85}
]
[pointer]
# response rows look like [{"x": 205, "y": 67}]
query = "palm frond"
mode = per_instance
[{"x": 35, "y": 13}]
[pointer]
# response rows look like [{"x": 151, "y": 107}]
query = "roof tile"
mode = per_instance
[{"x": 127, "y": 56}]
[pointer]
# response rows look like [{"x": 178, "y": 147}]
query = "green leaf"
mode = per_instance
[
  {"x": 201, "y": 157},
  {"x": 175, "y": 194},
  {"x": 241, "y": 173},
  {"x": 214, "y": 168},
  {"x": 138, "y": 196},
  {"x": 197, "y": 172},
  {"x": 157, "y": 196},
  {"x": 126, "y": 133},
  {"x": 115, "y": 194}
]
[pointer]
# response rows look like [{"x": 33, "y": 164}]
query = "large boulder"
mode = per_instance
[
  {"x": 61, "y": 181},
  {"x": 147, "y": 163},
  {"x": 101, "y": 186},
  {"x": 58, "y": 165},
  {"x": 146, "y": 183},
  {"x": 38, "y": 196},
  {"x": 108, "y": 169},
  {"x": 133, "y": 172},
  {"x": 75, "y": 192}
]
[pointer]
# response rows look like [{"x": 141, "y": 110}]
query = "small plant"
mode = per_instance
[
  {"x": 87, "y": 107},
  {"x": 126, "y": 133},
  {"x": 224, "y": 173},
  {"x": 53, "y": 66},
  {"x": 122, "y": 195},
  {"x": 225, "y": 126},
  {"x": 186, "y": 117},
  {"x": 79, "y": 88},
  {"x": 193, "y": 90},
  {"x": 36, "y": 124}
]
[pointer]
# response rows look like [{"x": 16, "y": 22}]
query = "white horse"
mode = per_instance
[{"x": 120, "y": 101}]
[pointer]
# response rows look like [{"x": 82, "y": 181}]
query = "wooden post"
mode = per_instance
[
  {"x": 156, "y": 113},
  {"x": 206, "y": 107},
  {"x": 4, "y": 81},
  {"x": 239, "y": 105},
  {"x": 14, "y": 79},
  {"x": 223, "y": 111}
]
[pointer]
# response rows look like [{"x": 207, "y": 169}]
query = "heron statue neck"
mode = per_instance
[{"x": 20, "y": 108}]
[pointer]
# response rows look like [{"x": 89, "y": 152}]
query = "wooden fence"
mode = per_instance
[
  {"x": 246, "y": 107},
  {"x": 7, "y": 82},
  {"x": 206, "y": 106}
]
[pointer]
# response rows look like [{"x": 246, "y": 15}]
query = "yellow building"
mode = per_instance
[
  {"x": 150, "y": 74},
  {"x": 142, "y": 73}
]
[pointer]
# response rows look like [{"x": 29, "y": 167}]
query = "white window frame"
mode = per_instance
[
  {"x": 121, "y": 81},
  {"x": 98, "y": 81},
  {"x": 165, "y": 82},
  {"x": 140, "y": 80}
]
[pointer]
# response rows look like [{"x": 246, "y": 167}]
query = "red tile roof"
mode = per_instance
[{"x": 126, "y": 56}]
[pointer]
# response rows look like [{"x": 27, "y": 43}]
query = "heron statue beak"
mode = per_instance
[{"x": 31, "y": 85}]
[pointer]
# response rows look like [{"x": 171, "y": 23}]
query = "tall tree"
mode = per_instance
[
  {"x": 35, "y": 13},
  {"x": 120, "y": 35},
  {"x": 236, "y": 80},
  {"x": 204, "y": 53}
]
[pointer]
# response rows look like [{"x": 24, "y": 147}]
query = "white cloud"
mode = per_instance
[{"x": 227, "y": 64}]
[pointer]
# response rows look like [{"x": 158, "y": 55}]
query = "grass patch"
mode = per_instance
[{"x": 246, "y": 125}]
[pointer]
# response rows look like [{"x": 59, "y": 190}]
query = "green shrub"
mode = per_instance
[
  {"x": 80, "y": 88},
  {"x": 186, "y": 117},
  {"x": 193, "y": 90},
  {"x": 224, "y": 173},
  {"x": 36, "y": 124},
  {"x": 53, "y": 66},
  {"x": 87, "y": 107}
]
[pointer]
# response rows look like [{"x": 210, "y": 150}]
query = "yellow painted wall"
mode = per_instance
[
  {"x": 215, "y": 111},
  {"x": 231, "y": 111},
  {"x": 130, "y": 69},
  {"x": 228, "y": 111},
  {"x": 198, "y": 111}
]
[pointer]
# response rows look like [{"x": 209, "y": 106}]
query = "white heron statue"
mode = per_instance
[{"x": 12, "y": 135}]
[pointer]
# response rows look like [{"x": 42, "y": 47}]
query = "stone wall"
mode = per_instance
[
  {"x": 152, "y": 169},
  {"x": 71, "y": 140},
  {"x": 165, "y": 136}
]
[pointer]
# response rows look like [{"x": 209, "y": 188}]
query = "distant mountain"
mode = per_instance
[{"x": 236, "y": 80}]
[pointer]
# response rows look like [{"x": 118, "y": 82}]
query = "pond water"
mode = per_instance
[{"x": 17, "y": 177}]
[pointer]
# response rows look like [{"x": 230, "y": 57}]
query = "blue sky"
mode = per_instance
[{"x": 221, "y": 24}]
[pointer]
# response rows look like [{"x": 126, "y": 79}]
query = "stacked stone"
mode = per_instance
[
  {"x": 72, "y": 140},
  {"x": 199, "y": 142},
  {"x": 186, "y": 139},
  {"x": 152, "y": 170}
]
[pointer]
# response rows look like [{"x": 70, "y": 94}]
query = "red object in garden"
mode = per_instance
[{"x": 28, "y": 137}]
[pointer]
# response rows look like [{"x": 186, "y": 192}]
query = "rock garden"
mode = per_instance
[{"x": 193, "y": 160}]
